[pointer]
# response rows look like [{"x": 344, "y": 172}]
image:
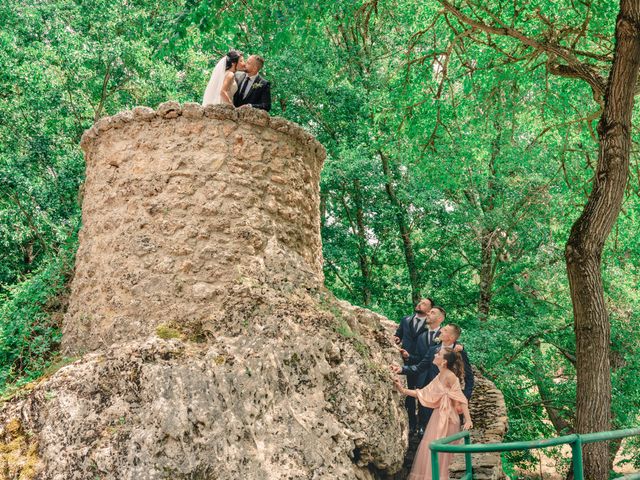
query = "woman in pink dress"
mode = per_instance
[{"x": 445, "y": 396}]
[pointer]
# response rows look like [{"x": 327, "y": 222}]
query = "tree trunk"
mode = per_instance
[
  {"x": 486, "y": 274},
  {"x": 365, "y": 268},
  {"x": 583, "y": 252},
  {"x": 488, "y": 231},
  {"x": 403, "y": 227}
]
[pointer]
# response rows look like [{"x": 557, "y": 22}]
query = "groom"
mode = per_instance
[{"x": 253, "y": 89}]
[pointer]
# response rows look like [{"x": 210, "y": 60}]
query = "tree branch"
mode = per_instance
[{"x": 574, "y": 67}]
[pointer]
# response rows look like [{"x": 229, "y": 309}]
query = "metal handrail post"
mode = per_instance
[
  {"x": 435, "y": 466},
  {"x": 467, "y": 460},
  {"x": 576, "y": 453}
]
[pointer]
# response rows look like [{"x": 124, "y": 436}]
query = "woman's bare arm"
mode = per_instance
[
  {"x": 404, "y": 391},
  {"x": 226, "y": 86},
  {"x": 468, "y": 424}
]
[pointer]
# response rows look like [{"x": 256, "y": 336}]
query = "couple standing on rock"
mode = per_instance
[
  {"x": 439, "y": 375},
  {"x": 236, "y": 82}
]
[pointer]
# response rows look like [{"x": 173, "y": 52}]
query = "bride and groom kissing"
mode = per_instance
[{"x": 236, "y": 82}]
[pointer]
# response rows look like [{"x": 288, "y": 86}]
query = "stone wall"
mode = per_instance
[{"x": 179, "y": 203}]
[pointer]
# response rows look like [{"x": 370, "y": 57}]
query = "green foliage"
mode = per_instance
[
  {"x": 488, "y": 153},
  {"x": 30, "y": 320},
  {"x": 64, "y": 64}
]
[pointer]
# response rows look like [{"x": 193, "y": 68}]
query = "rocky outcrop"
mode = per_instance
[
  {"x": 211, "y": 349},
  {"x": 233, "y": 408},
  {"x": 207, "y": 346}
]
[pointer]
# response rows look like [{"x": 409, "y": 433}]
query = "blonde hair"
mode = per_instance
[{"x": 260, "y": 61}]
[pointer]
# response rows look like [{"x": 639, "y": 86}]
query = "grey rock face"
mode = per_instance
[
  {"x": 203, "y": 225},
  {"x": 247, "y": 406},
  {"x": 207, "y": 345}
]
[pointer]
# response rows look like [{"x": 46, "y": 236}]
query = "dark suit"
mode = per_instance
[
  {"x": 410, "y": 336},
  {"x": 258, "y": 95},
  {"x": 426, "y": 371},
  {"x": 424, "y": 345}
]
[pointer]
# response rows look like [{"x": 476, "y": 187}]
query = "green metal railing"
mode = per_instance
[{"x": 575, "y": 440}]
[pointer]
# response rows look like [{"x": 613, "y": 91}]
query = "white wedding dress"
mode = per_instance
[{"x": 212, "y": 92}]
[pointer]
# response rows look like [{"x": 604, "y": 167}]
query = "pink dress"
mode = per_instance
[{"x": 444, "y": 421}]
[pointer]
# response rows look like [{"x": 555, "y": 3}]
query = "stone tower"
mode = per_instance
[
  {"x": 205, "y": 344},
  {"x": 180, "y": 205}
]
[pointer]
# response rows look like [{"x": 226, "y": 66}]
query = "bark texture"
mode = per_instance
[
  {"x": 365, "y": 268},
  {"x": 584, "y": 248},
  {"x": 403, "y": 228}
]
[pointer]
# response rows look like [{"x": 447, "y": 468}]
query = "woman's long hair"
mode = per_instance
[
  {"x": 454, "y": 363},
  {"x": 233, "y": 57}
]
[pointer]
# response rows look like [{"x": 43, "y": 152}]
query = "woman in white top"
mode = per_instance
[{"x": 222, "y": 84}]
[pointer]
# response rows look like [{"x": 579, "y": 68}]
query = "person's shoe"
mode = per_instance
[{"x": 420, "y": 432}]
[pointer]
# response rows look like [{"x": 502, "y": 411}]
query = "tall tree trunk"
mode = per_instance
[
  {"x": 583, "y": 252},
  {"x": 488, "y": 231},
  {"x": 486, "y": 273},
  {"x": 365, "y": 268},
  {"x": 403, "y": 227}
]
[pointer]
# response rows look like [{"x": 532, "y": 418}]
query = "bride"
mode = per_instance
[{"x": 222, "y": 85}]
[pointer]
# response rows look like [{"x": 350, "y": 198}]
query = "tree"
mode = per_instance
[{"x": 588, "y": 234}]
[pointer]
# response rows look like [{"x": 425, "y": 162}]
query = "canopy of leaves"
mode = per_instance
[{"x": 488, "y": 158}]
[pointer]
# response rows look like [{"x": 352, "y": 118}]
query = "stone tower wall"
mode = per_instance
[{"x": 178, "y": 204}]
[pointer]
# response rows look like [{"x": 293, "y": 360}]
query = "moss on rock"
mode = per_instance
[{"x": 18, "y": 452}]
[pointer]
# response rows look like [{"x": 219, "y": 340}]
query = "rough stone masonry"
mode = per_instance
[
  {"x": 180, "y": 205},
  {"x": 205, "y": 344}
]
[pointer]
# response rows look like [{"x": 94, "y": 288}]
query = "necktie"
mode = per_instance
[
  {"x": 431, "y": 333},
  {"x": 245, "y": 84}
]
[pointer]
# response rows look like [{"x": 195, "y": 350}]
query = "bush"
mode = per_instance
[{"x": 31, "y": 319}]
